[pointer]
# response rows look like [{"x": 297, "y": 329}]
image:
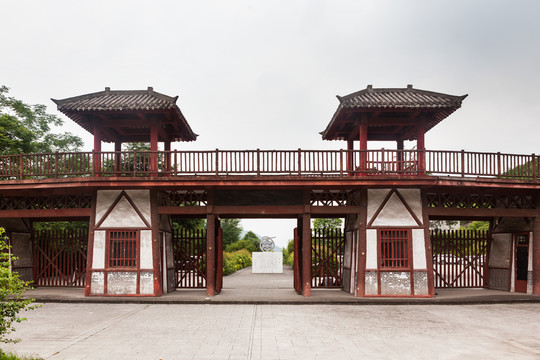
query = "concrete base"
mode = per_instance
[{"x": 267, "y": 262}]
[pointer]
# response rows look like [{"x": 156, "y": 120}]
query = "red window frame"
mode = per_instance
[
  {"x": 123, "y": 249},
  {"x": 394, "y": 247}
]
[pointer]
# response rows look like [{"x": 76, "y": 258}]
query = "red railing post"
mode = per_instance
[
  {"x": 421, "y": 157},
  {"x": 56, "y": 164},
  {"x": 462, "y": 163},
  {"x": 533, "y": 166},
  {"x": 135, "y": 160},
  {"x": 299, "y": 161},
  {"x": 258, "y": 162},
  {"x": 174, "y": 170},
  {"x": 498, "y": 164},
  {"x": 217, "y": 161},
  {"x": 383, "y": 165},
  {"x": 341, "y": 162},
  {"x": 21, "y": 167}
]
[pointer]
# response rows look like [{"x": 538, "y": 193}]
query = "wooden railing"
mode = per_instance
[{"x": 321, "y": 163}]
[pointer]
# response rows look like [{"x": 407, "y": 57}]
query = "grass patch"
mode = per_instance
[{"x": 12, "y": 356}]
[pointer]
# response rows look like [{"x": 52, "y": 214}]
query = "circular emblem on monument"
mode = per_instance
[{"x": 267, "y": 244}]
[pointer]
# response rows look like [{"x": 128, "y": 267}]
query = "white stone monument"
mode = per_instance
[{"x": 267, "y": 261}]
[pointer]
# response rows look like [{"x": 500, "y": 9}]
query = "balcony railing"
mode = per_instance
[{"x": 309, "y": 163}]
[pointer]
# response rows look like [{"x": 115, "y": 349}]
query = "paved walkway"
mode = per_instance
[
  {"x": 243, "y": 287},
  {"x": 184, "y": 331}
]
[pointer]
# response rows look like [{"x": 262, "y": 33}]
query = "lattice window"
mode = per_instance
[
  {"x": 394, "y": 248},
  {"x": 122, "y": 248}
]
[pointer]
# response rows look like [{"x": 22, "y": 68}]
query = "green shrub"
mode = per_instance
[
  {"x": 12, "y": 356},
  {"x": 241, "y": 244},
  {"x": 290, "y": 260},
  {"x": 12, "y": 289},
  {"x": 235, "y": 261}
]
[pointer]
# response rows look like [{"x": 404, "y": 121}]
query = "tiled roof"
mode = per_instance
[
  {"x": 399, "y": 98},
  {"x": 433, "y": 106},
  {"x": 118, "y": 100},
  {"x": 83, "y": 110}
]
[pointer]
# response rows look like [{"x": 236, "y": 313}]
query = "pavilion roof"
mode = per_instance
[
  {"x": 393, "y": 111},
  {"x": 125, "y": 115}
]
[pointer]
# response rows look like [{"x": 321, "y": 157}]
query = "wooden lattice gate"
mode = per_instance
[
  {"x": 190, "y": 258},
  {"x": 327, "y": 248},
  {"x": 460, "y": 258},
  {"x": 60, "y": 257}
]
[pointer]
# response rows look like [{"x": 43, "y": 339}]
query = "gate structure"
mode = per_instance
[
  {"x": 327, "y": 248},
  {"x": 460, "y": 258},
  {"x": 190, "y": 257},
  {"x": 60, "y": 257}
]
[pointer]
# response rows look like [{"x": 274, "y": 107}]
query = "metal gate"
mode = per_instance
[
  {"x": 190, "y": 258},
  {"x": 60, "y": 257},
  {"x": 460, "y": 258},
  {"x": 327, "y": 248}
]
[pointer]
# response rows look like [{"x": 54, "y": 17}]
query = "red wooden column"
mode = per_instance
[
  {"x": 153, "y": 148},
  {"x": 361, "y": 243},
  {"x": 400, "y": 154},
  {"x": 117, "y": 150},
  {"x": 156, "y": 244},
  {"x": 420, "y": 146},
  {"x": 210, "y": 254},
  {"x": 536, "y": 250},
  {"x": 168, "y": 157},
  {"x": 306, "y": 254},
  {"x": 363, "y": 137},
  {"x": 427, "y": 244},
  {"x": 97, "y": 150},
  {"x": 350, "y": 157}
]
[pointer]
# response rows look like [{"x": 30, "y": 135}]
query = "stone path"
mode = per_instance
[{"x": 179, "y": 331}]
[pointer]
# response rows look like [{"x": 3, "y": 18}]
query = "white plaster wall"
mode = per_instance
[
  {"x": 414, "y": 200},
  {"x": 141, "y": 199},
  {"x": 146, "y": 249},
  {"x": 419, "y": 249},
  {"x": 98, "y": 257},
  {"x": 267, "y": 262},
  {"x": 375, "y": 199},
  {"x": 97, "y": 283},
  {"x": 530, "y": 265},
  {"x": 371, "y": 249},
  {"x": 104, "y": 200},
  {"x": 123, "y": 216},
  {"x": 394, "y": 213},
  {"x": 146, "y": 286}
]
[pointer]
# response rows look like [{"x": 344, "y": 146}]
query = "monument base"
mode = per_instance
[{"x": 267, "y": 262}]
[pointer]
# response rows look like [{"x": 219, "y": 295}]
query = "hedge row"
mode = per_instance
[{"x": 235, "y": 261}]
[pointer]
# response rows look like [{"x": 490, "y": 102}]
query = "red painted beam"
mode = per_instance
[
  {"x": 46, "y": 213},
  {"x": 457, "y": 212}
]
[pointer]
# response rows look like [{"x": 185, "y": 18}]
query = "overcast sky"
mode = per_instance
[{"x": 264, "y": 74}]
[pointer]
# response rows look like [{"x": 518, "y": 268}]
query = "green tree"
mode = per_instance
[
  {"x": 190, "y": 224},
  {"x": 12, "y": 289},
  {"x": 332, "y": 223},
  {"x": 28, "y": 129},
  {"x": 253, "y": 238},
  {"x": 231, "y": 231}
]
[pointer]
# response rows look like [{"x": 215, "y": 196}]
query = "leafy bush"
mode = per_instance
[
  {"x": 241, "y": 244},
  {"x": 11, "y": 292},
  {"x": 235, "y": 261},
  {"x": 12, "y": 356}
]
